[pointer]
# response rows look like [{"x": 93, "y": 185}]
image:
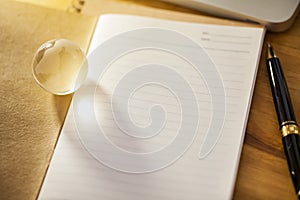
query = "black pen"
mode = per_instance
[{"x": 286, "y": 117}]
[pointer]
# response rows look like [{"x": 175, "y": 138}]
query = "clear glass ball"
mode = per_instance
[{"x": 59, "y": 66}]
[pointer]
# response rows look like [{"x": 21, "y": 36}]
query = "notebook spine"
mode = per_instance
[{"x": 76, "y": 6}]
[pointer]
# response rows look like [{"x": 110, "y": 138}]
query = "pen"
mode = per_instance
[{"x": 286, "y": 117}]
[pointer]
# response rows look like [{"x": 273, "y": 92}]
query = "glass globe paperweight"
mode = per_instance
[{"x": 59, "y": 66}]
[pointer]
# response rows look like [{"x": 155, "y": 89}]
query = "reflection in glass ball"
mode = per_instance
[{"x": 60, "y": 66}]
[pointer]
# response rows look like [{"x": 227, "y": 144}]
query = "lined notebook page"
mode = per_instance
[{"x": 75, "y": 172}]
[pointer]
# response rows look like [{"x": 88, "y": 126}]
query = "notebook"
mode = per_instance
[{"x": 162, "y": 113}]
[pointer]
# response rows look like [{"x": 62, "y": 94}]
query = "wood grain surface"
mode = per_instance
[
  {"x": 31, "y": 118},
  {"x": 263, "y": 171}
]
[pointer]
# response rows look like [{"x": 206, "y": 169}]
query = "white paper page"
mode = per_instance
[{"x": 86, "y": 167}]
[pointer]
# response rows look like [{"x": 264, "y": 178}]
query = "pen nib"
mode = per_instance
[{"x": 271, "y": 53}]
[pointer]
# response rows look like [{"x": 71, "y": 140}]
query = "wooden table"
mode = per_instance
[{"x": 263, "y": 171}]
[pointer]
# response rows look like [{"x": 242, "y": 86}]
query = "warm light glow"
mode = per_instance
[{"x": 57, "y": 4}]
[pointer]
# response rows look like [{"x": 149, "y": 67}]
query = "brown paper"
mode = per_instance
[{"x": 30, "y": 118}]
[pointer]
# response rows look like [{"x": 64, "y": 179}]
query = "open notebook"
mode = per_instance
[{"x": 106, "y": 149}]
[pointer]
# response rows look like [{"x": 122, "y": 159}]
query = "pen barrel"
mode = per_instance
[
  {"x": 291, "y": 145},
  {"x": 280, "y": 92}
]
